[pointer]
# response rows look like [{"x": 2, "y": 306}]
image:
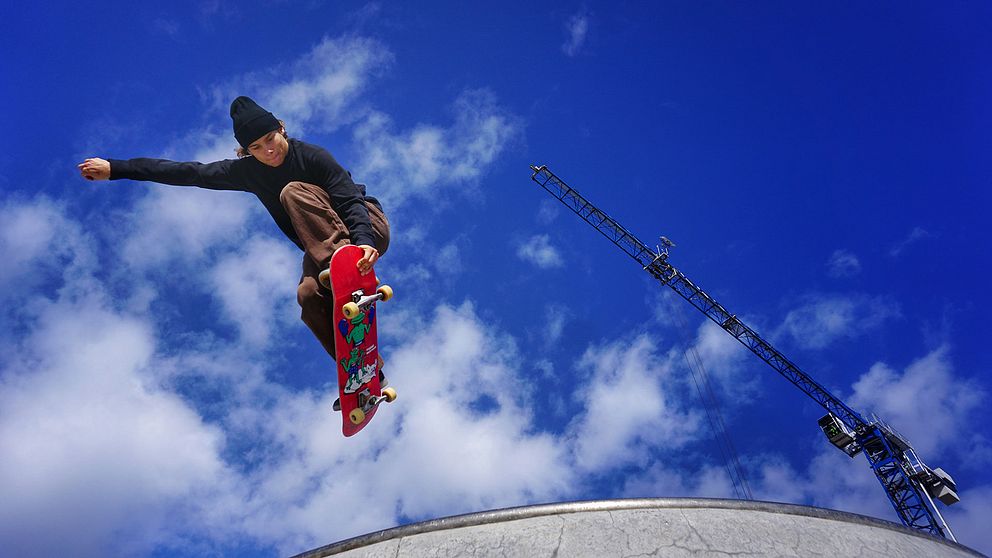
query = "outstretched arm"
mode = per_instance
[
  {"x": 95, "y": 169},
  {"x": 215, "y": 176}
]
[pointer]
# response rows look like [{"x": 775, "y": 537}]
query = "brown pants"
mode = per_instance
[{"x": 322, "y": 232}]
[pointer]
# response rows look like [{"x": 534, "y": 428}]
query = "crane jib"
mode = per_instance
[
  {"x": 908, "y": 483},
  {"x": 659, "y": 268}
]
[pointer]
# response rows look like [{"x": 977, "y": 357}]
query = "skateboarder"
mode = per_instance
[{"x": 310, "y": 196}]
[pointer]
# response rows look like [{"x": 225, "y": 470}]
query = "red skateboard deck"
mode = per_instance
[{"x": 355, "y": 337}]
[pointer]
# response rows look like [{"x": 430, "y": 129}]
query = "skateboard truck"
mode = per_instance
[
  {"x": 360, "y": 301},
  {"x": 367, "y": 401}
]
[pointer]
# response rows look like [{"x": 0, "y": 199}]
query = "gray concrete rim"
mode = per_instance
[{"x": 527, "y": 512}]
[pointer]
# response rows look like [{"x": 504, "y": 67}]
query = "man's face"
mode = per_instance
[{"x": 271, "y": 148}]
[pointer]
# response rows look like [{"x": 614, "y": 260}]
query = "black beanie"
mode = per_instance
[{"x": 251, "y": 121}]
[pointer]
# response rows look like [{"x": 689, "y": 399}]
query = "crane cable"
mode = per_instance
[{"x": 707, "y": 397}]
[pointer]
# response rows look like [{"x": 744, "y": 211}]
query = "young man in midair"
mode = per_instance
[{"x": 310, "y": 196}]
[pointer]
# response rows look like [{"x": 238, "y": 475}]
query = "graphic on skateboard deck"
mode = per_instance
[{"x": 355, "y": 341}]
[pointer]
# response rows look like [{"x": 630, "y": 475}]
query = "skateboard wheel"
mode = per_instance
[
  {"x": 389, "y": 394},
  {"x": 356, "y": 416},
  {"x": 325, "y": 278},
  {"x": 386, "y": 291},
  {"x": 350, "y": 310}
]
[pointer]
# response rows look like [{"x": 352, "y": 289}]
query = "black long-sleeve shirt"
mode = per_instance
[{"x": 304, "y": 162}]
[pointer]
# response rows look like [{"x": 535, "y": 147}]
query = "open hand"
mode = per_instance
[{"x": 95, "y": 169}]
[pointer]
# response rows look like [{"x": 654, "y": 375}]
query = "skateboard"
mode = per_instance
[{"x": 355, "y": 340}]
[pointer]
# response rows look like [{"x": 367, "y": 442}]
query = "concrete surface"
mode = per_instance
[{"x": 649, "y": 527}]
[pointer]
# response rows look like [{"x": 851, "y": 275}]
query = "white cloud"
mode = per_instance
[
  {"x": 409, "y": 275},
  {"x": 576, "y": 30},
  {"x": 38, "y": 240},
  {"x": 173, "y": 224},
  {"x": 107, "y": 440},
  {"x": 548, "y": 211},
  {"x": 851, "y": 486},
  {"x": 715, "y": 363},
  {"x": 459, "y": 438},
  {"x": 101, "y": 448},
  {"x": 257, "y": 287},
  {"x": 969, "y": 519},
  {"x": 448, "y": 259},
  {"x": 321, "y": 89},
  {"x": 26, "y": 236},
  {"x": 626, "y": 410},
  {"x": 206, "y": 145},
  {"x": 489, "y": 409},
  {"x": 538, "y": 250},
  {"x": 775, "y": 480},
  {"x": 666, "y": 307},
  {"x": 822, "y": 319},
  {"x": 423, "y": 161},
  {"x": 916, "y": 235},
  {"x": 664, "y": 481},
  {"x": 843, "y": 264},
  {"x": 720, "y": 352},
  {"x": 90, "y": 444},
  {"x": 925, "y": 402},
  {"x": 556, "y": 317}
]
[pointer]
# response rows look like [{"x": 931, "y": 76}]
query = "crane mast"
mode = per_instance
[{"x": 909, "y": 484}]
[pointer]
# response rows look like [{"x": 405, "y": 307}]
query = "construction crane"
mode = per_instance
[{"x": 910, "y": 484}]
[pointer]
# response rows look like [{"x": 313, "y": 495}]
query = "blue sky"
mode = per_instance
[{"x": 824, "y": 172}]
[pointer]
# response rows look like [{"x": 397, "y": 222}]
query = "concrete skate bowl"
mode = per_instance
[{"x": 649, "y": 527}]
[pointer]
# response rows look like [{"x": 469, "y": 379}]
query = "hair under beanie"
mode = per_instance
[{"x": 251, "y": 121}]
